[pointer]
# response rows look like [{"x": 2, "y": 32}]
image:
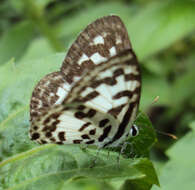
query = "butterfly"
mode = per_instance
[{"x": 94, "y": 97}]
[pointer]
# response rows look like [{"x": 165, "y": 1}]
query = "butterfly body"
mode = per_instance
[{"x": 94, "y": 98}]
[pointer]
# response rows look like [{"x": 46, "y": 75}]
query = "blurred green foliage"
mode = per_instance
[
  {"x": 34, "y": 37},
  {"x": 178, "y": 172}
]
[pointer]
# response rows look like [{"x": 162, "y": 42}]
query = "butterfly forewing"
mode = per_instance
[
  {"x": 110, "y": 86},
  {"x": 95, "y": 96},
  {"x": 113, "y": 87}
]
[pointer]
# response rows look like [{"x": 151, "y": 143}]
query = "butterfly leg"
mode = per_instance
[
  {"x": 95, "y": 159},
  {"x": 123, "y": 147},
  {"x": 131, "y": 152},
  {"x": 110, "y": 149},
  {"x": 83, "y": 147},
  {"x": 108, "y": 154},
  {"x": 118, "y": 159}
]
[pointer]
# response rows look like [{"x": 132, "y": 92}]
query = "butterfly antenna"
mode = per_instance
[
  {"x": 160, "y": 132},
  {"x": 167, "y": 134},
  {"x": 153, "y": 102}
]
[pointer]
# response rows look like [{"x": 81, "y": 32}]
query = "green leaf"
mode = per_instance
[
  {"x": 87, "y": 184},
  {"x": 142, "y": 184},
  {"x": 179, "y": 171},
  {"x": 136, "y": 184},
  {"x": 39, "y": 48},
  {"x": 183, "y": 88},
  {"x": 48, "y": 166},
  {"x": 160, "y": 24},
  {"x": 19, "y": 5},
  {"x": 14, "y": 137},
  {"x": 26, "y": 165},
  {"x": 4, "y": 71},
  {"x": 19, "y": 80},
  {"x": 154, "y": 86},
  {"x": 85, "y": 16},
  {"x": 15, "y": 41},
  {"x": 153, "y": 28}
]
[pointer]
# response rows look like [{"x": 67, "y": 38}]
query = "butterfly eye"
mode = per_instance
[{"x": 134, "y": 131}]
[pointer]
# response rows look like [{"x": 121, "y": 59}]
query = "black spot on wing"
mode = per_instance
[
  {"x": 92, "y": 132},
  {"x": 61, "y": 136},
  {"x": 59, "y": 142},
  {"x": 123, "y": 124},
  {"x": 84, "y": 126},
  {"x": 53, "y": 139},
  {"x": 77, "y": 141},
  {"x": 81, "y": 107},
  {"x": 105, "y": 133},
  {"x": 124, "y": 93},
  {"x": 90, "y": 142},
  {"x": 48, "y": 134},
  {"x": 89, "y": 114},
  {"x": 85, "y": 136},
  {"x": 110, "y": 81},
  {"x": 47, "y": 120},
  {"x": 35, "y": 136},
  {"x": 132, "y": 77},
  {"x": 80, "y": 115},
  {"x": 35, "y": 127},
  {"x": 118, "y": 72},
  {"x": 116, "y": 110},
  {"x": 103, "y": 122},
  {"x": 43, "y": 142},
  {"x": 90, "y": 96}
]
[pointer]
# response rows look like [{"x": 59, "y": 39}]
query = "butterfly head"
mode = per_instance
[{"x": 134, "y": 131}]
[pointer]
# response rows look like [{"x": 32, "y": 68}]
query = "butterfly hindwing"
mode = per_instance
[
  {"x": 72, "y": 124},
  {"x": 51, "y": 90},
  {"x": 110, "y": 86}
]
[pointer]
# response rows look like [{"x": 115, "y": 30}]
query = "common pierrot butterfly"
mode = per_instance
[{"x": 94, "y": 97}]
